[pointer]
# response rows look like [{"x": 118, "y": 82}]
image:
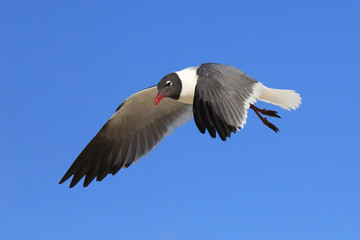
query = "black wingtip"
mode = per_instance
[
  {"x": 86, "y": 184},
  {"x": 72, "y": 184},
  {"x": 73, "y": 181},
  {"x": 88, "y": 180},
  {"x": 64, "y": 178},
  {"x": 76, "y": 179}
]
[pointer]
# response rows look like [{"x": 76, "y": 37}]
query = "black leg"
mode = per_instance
[
  {"x": 270, "y": 113},
  {"x": 264, "y": 120}
]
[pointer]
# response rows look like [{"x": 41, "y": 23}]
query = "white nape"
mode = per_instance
[{"x": 188, "y": 79}]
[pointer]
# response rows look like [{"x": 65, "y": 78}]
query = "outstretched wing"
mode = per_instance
[
  {"x": 222, "y": 96},
  {"x": 132, "y": 132}
]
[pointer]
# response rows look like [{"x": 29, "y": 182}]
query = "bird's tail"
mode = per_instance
[{"x": 283, "y": 98}]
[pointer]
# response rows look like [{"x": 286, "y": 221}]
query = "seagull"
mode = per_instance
[{"x": 217, "y": 97}]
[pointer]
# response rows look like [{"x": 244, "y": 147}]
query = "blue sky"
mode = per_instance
[{"x": 66, "y": 66}]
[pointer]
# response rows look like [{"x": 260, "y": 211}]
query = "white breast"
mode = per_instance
[{"x": 188, "y": 79}]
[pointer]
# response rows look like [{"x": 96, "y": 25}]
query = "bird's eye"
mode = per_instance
[{"x": 168, "y": 83}]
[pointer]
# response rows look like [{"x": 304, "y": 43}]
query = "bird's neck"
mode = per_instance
[{"x": 188, "y": 79}]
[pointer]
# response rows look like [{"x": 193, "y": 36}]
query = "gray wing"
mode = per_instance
[
  {"x": 222, "y": 96},
  {"x": 132, "y": 132}
]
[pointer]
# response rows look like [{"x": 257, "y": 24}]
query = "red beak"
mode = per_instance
[{"x": 158, "y": 98}]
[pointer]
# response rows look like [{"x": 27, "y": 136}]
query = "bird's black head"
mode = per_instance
[{"x": 169, "y": 86}]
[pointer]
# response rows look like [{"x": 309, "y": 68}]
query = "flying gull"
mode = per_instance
[{"x": 217, "y": 97}]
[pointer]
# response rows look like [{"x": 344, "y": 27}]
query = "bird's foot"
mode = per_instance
[
  {"x": 263, "y": 111},
  {"x": 264, "y": 120},
  {"x": 270, "y": 113},
  {"x": 269, "y": 124}
]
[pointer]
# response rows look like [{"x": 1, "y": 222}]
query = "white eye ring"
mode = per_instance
[{"x": 168, "y": 83}]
